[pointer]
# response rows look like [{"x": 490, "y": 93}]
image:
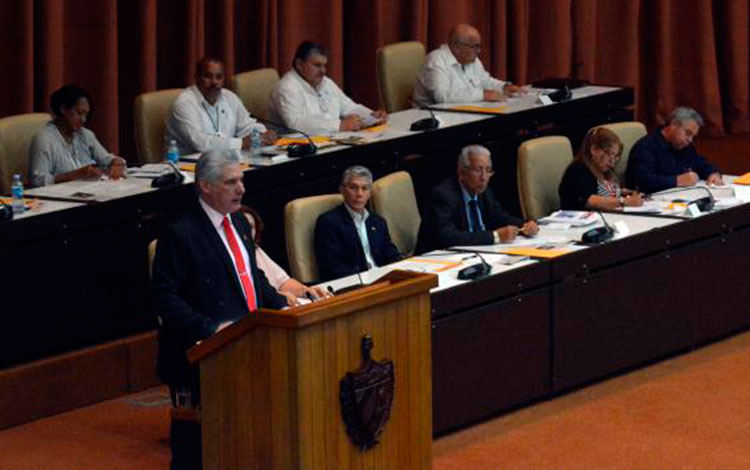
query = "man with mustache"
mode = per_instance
[
  {"x": 307, "y": 100},
  {"x": 667, "y": 157},
  {"x": 206, "y": 116}
]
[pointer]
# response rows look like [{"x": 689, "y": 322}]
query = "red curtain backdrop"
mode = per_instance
[{"x": 691, "y": 52}]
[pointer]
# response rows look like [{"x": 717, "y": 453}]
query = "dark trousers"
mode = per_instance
[{"x": 185, "y": 436}]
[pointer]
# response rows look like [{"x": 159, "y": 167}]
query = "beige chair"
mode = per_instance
[
  {"x": 541, "y": 164},
  {"x": 16, "y": 134},
  {"x": 151, "y": 110},
  {"x": 300, "y": 216},
  {"x": 393, "y": 198},
  {"x": 398, "y": 65},
  {"x": 629, "y": 133},
  {"x": 254, "y": 89}
]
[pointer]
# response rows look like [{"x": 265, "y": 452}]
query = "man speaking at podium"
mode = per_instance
[{"x": 204, "y": 278}]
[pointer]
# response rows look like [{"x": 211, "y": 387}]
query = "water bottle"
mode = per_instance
[
  {"x": 17, "y": 192},
  {"x": 173, "y": 153},
  {"x": 255, "y": 142}
]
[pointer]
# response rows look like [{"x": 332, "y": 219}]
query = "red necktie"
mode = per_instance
[{"x": 245, "y": 279}]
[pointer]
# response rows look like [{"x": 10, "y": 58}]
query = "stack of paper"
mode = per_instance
[{"x": 572, "y": 218}]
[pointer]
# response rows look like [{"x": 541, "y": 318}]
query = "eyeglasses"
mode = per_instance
[
  {"x": 480, "y": 171},
  {"x": 475, "y": 47},
  {"x": 611, "y": 153}
]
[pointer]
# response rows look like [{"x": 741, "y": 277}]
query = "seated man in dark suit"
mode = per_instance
[
  {"x": 667, "y": 157},
  {"x": 350, "y": 239},
  {"x": 204, "y": 278},
  {"x": 463, "y": 210}
]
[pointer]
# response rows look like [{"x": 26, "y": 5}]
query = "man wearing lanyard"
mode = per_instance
[
  {"x": 206, "y": 116},
  {"x": 463, "y": 210},
  {"x": 204, "y": 278}
]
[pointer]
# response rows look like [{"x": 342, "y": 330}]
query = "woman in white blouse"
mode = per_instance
[{"x": 64, "y": 150}]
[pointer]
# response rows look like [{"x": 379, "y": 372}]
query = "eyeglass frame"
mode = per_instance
[
  {"x": 475, "y": 47},
  {"x": 489, "y": 171}
]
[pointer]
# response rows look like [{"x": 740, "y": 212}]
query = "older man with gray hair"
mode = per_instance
[
  {"x": 667, "y": 157},
  {"x": 453, "y": 73},
  {"x": 463, "y": 210},
  {"x": 204, "y": 278},
  {"x": 350, "y": 239}
]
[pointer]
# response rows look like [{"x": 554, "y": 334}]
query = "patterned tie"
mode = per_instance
[
  {"x": 245, "y": 279},
  {"x": 474, "y": 216}
]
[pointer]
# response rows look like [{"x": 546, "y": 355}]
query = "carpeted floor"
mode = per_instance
[{"x": 690, "y": 412}]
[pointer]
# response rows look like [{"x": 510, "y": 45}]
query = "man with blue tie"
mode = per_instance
[
  {"x": 463, "y": 211},
  {"x": 204, "y": 278}
]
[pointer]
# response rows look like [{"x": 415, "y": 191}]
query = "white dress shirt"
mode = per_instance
[
  {"x": 296, "y": 104},
  {"x": 217, "y": 220},
  {"x": 443, "y": 80},
  {"x": 198, "y": 126},
  {"x": 359, "y": 219}
]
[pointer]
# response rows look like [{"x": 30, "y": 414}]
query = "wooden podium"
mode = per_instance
[{"x": 272, "y": 391}]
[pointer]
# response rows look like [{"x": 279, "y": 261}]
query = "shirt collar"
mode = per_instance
[
  {"x": 466, "y": 196},
  {"x": 214, "y": 216},
  {"x": 305, "y": 84},
  {"x": 356, "y": 216},
  {"x": 450, "y": 58},
  {"x": 202, "y": 99}
]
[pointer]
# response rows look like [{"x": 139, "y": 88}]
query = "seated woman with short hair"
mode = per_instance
[
  {"x": 589, "y": 181},
  {"x": 64, "y": 150}
]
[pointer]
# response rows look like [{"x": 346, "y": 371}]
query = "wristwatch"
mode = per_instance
[{"x": 622, "y": 201}]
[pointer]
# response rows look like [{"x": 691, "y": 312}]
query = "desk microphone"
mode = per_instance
[
  {"x": 6, "y": 212},
  {"x": 294, "y": 150},
  {"x": 426, "y": 124},
  {"x": 175, "y": 178},
  {"x": 705, "y": 204},
  {"x": 598, "y": 235},
  {"x": 475, "y": 271}
]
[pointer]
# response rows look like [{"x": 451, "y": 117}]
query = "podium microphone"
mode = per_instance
[
  {"x": 426, "y": 124},
  {"x": 294, "y": 150},
  {"x": 598, "y": 235}
]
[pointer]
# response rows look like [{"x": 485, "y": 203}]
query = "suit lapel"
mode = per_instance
[{"x": 204, "y": 223}]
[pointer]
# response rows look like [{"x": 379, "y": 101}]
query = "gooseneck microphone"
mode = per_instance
[
  {"x": 294, "y": 150},
  {"x": 598, "y": 235},
  {"x": 475, "y": 271},
  {"x": 175, "y": 178},
  {"x": 705, "y": 204},
  {"x": 426, "y": 124}
]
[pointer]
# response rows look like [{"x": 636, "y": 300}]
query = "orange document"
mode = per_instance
[
  {"x": 481, "y": 109},
  {"x": 744, "y": 179},
  {"x": 318, "y": 139},
  {"x": 535, "y": 252}
]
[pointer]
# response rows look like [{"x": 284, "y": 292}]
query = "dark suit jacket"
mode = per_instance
[
  {"x": 195, "y": 288},
  {"x": 338, "y": 249},
  {"x": 445, "y": 223}
]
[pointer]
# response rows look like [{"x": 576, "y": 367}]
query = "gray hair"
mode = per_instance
[
  {"x": 357, "y": 171},
  {"x": 468, "y": 151},
  {"x": 684, "y": 114},
  {"x": 211, "y": 164}
]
